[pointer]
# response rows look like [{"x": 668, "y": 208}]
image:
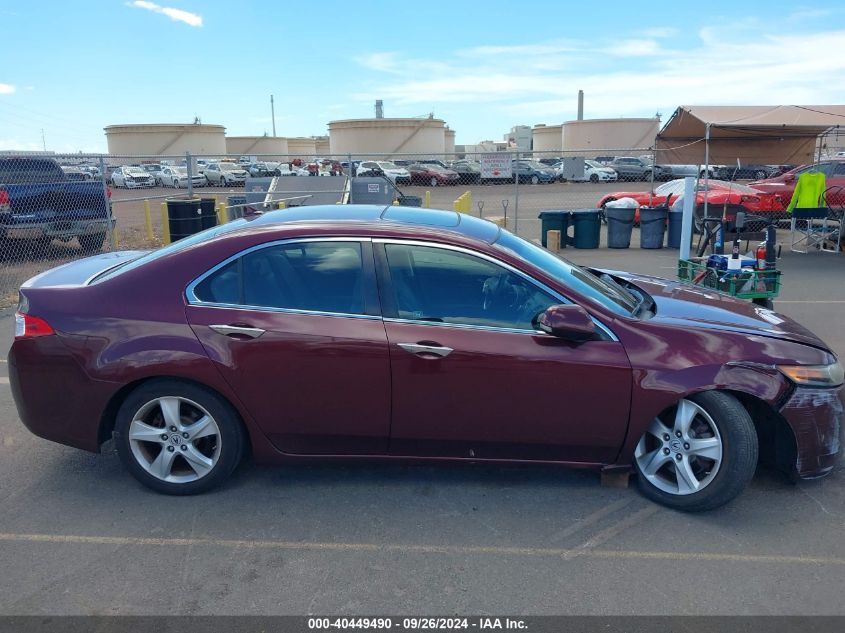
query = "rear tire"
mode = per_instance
[
  {"x": 698, "y": 455},
  {"x": 594, "y": 178},
  {"x": 92, "y": 243},
  {"x": 206, "y": 425},
  {"x": 535, "y": 180}
]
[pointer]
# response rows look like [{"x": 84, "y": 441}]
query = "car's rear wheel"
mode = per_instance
[
  {"x": 433, "y": 182},
  {"x": 594, "y": 178},
  {"x": 177, "y": 437},
  {"x": 176, "y": 184},
  {"x": 91, "y": 243},
  {"x": 698, "y": 455}
]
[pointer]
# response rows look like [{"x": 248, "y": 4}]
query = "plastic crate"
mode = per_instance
[{"x": 746, "y": 283}]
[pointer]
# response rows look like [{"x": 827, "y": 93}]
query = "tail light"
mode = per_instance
[
  {"x": 28, "y": 326},
  {"x": 108, "y": 192},
  {"x": 4, "y": 198}
]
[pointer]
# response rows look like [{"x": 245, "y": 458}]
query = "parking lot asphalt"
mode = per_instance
[{"x": 79, "y": 536}]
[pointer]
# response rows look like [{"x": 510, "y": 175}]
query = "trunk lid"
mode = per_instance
[{"x": 81, "y": 271}]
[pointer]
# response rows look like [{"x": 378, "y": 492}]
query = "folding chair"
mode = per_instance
[
  {"x": 809, "y": 229},
  {"x": 833, "y": 222}
]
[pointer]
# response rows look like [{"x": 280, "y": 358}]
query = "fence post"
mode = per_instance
[
  {"x": 106, "y": 197},
  {"x": 148, "y": 220},
  {"x": 165, "y": 225},
  {"x": 190, "y": 174},
  {"x": 516, "y": 196}
]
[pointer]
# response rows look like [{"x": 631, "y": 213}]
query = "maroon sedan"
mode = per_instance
[
  {"x": 433, "y": 175},
  {"x": 399, "y": 333}
]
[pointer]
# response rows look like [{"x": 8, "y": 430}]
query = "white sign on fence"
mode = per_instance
[{"x": 496, "y": 166}]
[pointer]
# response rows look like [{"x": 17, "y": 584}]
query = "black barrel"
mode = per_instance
[
  {"x": 208, "y": 213},
  {"x": 184, "y": 217}
]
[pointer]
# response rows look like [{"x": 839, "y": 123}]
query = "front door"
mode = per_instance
[
  {"x": 294, "y": 328},
  {"x": 473, "y": 378}
]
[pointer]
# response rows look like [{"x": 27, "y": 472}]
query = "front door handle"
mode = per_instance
[
  {"x": 237, "y": 330},
  {"x": 419, "y": 349}
]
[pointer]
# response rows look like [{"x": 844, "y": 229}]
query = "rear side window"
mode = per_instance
[{"x": 313, "y": 276}]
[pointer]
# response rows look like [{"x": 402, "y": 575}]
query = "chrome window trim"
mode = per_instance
[
  {"x": 192, "y": 299},
  {"x": 492, "y": 260}
]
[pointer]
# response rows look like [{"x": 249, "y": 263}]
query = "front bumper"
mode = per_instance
[{"x": 816, "y": 417}]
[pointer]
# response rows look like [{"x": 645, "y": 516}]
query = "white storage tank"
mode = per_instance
[
  {"x": 302, "y": 148},
  {"x": 547, "y": 138},
  {"x": 263, "y": 146},
  {"x": 450, "y": 141},
  {"x": 609, "y": 134},
  {"x": 383, "y": 137},
  {"x": 166, "y": 139}
]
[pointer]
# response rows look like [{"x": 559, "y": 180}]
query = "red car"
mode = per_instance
[
  {"x": 719, "y": 194},
  {"x": 401, "y": 333},
  {"x": 433, "y": 175},
  {"x": 784, "y": 185}
]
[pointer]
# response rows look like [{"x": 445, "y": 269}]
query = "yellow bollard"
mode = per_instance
[
  {"x": 115, "y": 238},
  {"x": 283, "y": 205},
  {"x": 165, "y": 225},
  {"x": 222, "y": 216},
  {"x": 148, "y": 220},
  {"x": 468, "y": 202},
  {"x": 427, "y": 200}
]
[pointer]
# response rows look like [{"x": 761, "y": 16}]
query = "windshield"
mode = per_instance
[
  {"x": 386, "y": 165},
  {"x": 180, "y": 170},
  {"x": 229, "y": 167},
  {"x": 135, "y": 171},
  {"x": 593, "y": 164},
  {"x": 612, "y": 297},
  {"x": 535, "y": 164}
]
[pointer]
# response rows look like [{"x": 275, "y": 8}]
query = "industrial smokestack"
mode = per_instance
[
  {"x": 379, "y": 109},
  {"x": 580, "y": 105}
]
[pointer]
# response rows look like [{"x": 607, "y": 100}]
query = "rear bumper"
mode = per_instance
[
  {"x": 816, "y": 417},
  {"x": 57, "y": 229}
]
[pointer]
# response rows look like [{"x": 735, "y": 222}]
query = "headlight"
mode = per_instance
[{"x": 814, "y": 375}]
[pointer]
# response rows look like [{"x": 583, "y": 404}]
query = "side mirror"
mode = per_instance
[{"x": 567, "y": 321}]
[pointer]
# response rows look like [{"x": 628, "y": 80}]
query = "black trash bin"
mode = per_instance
[
  {"x": 184, "y": 217},
  {"x": 652, "y": 226},
  {"x": 208, "y": 213},
  {"x": 587, "y": 228},
  {"x": 554, "y": 220}
]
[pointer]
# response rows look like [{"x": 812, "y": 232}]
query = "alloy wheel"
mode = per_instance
[
  {"x": 175, "y": 439},
  {"x": 683, "y": 456}
]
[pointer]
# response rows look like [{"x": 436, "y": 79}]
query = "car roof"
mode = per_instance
[{"x": 382, "y": 216}]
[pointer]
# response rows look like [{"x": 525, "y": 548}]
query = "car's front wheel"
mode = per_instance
[
  {"x": 177, "y": 437},
  {"x": 699, "y": 454}
]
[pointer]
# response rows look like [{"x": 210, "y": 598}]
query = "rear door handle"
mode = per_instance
[
  {"x": 417, "y": 348},
  {"x": 237, "y": 330}
]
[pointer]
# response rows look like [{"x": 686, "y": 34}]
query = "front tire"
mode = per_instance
[
  {"x": 594, "y": 178},
  {"x": 698, "y": 455},
  {"x": 433, "y": 182},
  {"x": 177, "y": 437}
]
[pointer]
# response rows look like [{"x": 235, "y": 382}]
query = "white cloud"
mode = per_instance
[
  {"x": 191, "y": 19},
  {"x": 7, "y": 89},
  {"x": 748, "y": 63}
]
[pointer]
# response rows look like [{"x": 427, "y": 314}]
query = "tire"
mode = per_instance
[
  {"x": 215, "y": 452},
  {"x": 433, "y": 182},
  {"x": 705, "y": 174},
  {"x": 92, "y": 243},
  {"x": 646, "y": 176},
  {"x": 175, "y": 183},
  {"x": 760, "y": 175},
  {"x": 716, "y": 472},
  {"x": 594, "y": 178},
  {"x": 535, "y": 180}
]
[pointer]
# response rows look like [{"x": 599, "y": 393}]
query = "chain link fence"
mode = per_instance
[{"x": 57, "y": 208}]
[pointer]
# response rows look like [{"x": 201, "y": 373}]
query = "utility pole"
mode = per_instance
[
  {"x": 273, "y": 114},
  {"x": 43, "y": 140}
]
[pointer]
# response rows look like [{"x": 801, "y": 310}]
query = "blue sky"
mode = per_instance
[{"x": 71, "y": 67}]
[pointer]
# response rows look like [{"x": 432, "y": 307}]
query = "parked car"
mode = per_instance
[
  {"x": 718, "y": 193},
  {"x": 132, "y": 177},
  {"x": 397, "y": 175},
  {"x": 224, "y": 174},
  {"x": 605, "y": 160},
  {"x": 533, "y": 172},
  {"x": 267, "y": 170},
  {"x": 593, "y": 172},
  {"x": 745, "y": 172},
  {"x": 672, "y": 171},
  {"x": 468, "y": 170},
  {"x": 153, "y": 169},
  {"x": 784, "y": 185},
  {"x": 630, "y": 168},
  {"x": 91, "y": 170},
  {"x": 238, "y": 335},
  {"x": 433, "y": 175},
  {"x": 75, "y": 173},
  {"x": 39, "y": 203},
  {"x": 177, "y": 177}
]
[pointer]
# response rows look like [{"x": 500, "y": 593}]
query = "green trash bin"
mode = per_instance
[
  {"x": 587, "y": 228},
  {"x": 554, "y": 220}
]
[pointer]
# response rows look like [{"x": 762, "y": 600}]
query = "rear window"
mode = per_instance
[{"x": 29, "y": 170}]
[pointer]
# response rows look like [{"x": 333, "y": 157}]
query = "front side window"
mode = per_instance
[
  {"x": 443, "y": 286},
  {"x": 314, "y": 276}
]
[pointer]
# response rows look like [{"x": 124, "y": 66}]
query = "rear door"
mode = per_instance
[{"x": 294, "y": 327}]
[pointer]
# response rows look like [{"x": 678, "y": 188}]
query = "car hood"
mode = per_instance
[{"x": 684, "y": 305}]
